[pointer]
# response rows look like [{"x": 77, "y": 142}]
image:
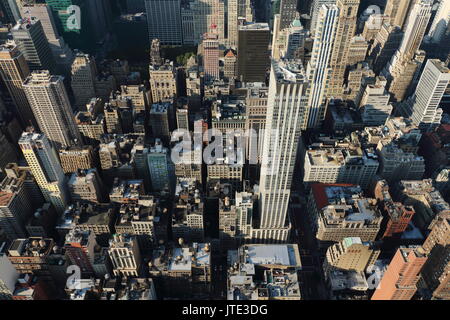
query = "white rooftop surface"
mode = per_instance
[
  {"x": 271, "y": 254},
  {"x": 184, "y": 264}
]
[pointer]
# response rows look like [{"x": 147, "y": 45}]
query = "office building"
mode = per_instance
[
  {"x": 255, "y": 122},
  {"x": 397, "y": 150},
  {"x": 184, "y": 270},
  {"x": 83, "y": 73},
  {"x": 62, "y": 54},
  {"x": 16, "y": 205},
  {"x": 164, "y": 21},
  {"x": 400, "y": 279},
  {"x": 51, "y": 107},
  {"x": 210, "y": 56},
  {"x": 8, "y": 275},
  {"x": 400, "y": 70},
  {"x": 188, "y": 221},
  {"x": 163, "y": 83},
  {"x": 344, "y": 162},
  {"x": 439, "y": 26},
  {"x": 424, "y": 197},
  {"x": 277, "y": 266},
  {"x": 45, "y": 167},
  {"x": 397, "y": 10},
  {"x": 339, "y": 211},
  {"x": 32, "y": 42},
  {"x": 286, "y": 100},
  {"x": 288, "y": 12},
  {"x": 203, "y": 16},
  {"x": 91, "y": 127},
  {"x": 160, "y": 170},
  {"x": 346, "y": 26},
  {"x": 14, "y": 71},
  {"x": 253, "y": 52},
  {"x": 435, "y": 271},
  {"x": 86, "y": 186},
  {"x": 159, "y": 120},
  {"x": 316, "y": 5},
  {"x": 424, "y": 106},
  {"x": 350, "y": 254},
  {"x": 125, "y": 255},
  {"x": 318, "y": 70},
  {"x": 77, "y": 32},
  {"x": 374, "y": 105},
  {"x": 237, "y": 9},
  {"x": 77, "y": 158},
  {"x": 30, "y": 255}
]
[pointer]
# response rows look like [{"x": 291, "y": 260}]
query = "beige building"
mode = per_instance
[
  {"x": 229, "y": 68},
  {"x": 350, "y": 254},
  {"x": 45, "y": 167},
  {"x": 51, "y": 107},
  {"x": 86, "y": 186},
  {"x": 163, "y": 84},
  {"x": 255, "y": 120},
  {"x": 397, "y": 10},
  {"x": 339, "y": 211},
  {"x": 91, "y": 127},
  {"x": 426, "y": 200},
  {"x": 436, "y": 271},
  {"x": 77, "y": 158},
  {"x": 358, "y": 50},
  {"x": 125, "y": 255},
  {"x": 346, "y": 164},
  {"x": 345, "y": 31}
]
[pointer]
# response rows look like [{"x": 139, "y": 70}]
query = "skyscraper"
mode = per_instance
[
  {"x": 32, "y": 42},
  {"x": 402, "y": 67},
  {"x": 51, "y": 107},
  {"x": 346, "y": 27},
  {"x": 423, "y": 106},
  {"x": 440, "y": 24},
  {"x": 83, "y": 72},
  {"x": 44, "y": 164},
  {"x": 211, "y": 56},
  {"x": 315, "y": 8},
  {"x": 208, "y": 16},
  {"x": 397, "y": 11},
  {"x": 318, "y": 70},
  {"x": 14, "y": 70},
  {"x": 288, "y": 10},
  {"x": 253, "y": 52},
  {"x": 60, "y": 50},
  {"x": 286, "y": 112},
  {"x": 400, "y": 279},
  {"x": 164, "y": 21}
]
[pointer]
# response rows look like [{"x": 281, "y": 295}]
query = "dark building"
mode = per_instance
[{"x": 253, "y": 52}]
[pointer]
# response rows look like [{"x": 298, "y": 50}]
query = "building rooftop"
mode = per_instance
[
  {"x": 276, "y": 254},
  {"x": 289, "y": 70}
]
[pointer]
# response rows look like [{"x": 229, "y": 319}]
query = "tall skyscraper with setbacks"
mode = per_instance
[
  {"x": 346, "y": 27},
  {"x": 318, "y": 70},
  {"x": 286, "y": 112},
  {"x": 51, "y": 108}
]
